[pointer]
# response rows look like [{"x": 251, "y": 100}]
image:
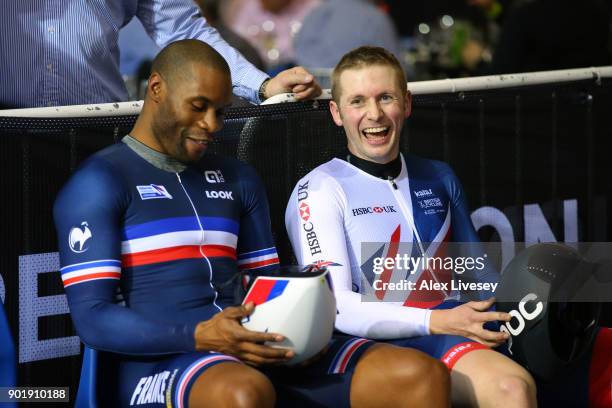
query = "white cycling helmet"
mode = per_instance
[{"x": 301, "y": 306}]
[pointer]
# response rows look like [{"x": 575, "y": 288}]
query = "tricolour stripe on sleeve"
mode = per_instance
[
  {"x": 90, "y": 271},
  {"x": 258, "y": 259}
]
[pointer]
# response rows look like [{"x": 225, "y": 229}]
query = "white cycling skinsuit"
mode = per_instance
[{"x": 338, "y": 207}]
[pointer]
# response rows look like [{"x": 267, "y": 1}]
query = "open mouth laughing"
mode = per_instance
[{"x": 376, "y": 135}]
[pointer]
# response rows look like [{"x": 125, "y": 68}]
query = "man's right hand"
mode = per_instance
[
  {"x": 467, "y": 320},
  {"x": 297, "y": 80},
  {"x": 224, "y": 333}
]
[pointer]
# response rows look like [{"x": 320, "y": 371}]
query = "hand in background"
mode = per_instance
[{"x": 296, "y": 80}]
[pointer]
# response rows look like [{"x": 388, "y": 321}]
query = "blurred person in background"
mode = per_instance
[
  {"x": 269, "y": 25},
  {"x": 210, "y": 11},
  {"x": 350, "y": 23},
  {"x": 66, "y": 52},
  {"x": 137, "y": 49}
]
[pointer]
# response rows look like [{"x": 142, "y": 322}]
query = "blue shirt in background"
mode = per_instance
[{"x": 65, "y": 52}]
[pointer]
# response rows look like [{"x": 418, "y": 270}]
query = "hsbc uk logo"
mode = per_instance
[
  {"x": 307, "y": 225},
  {"x": 374, "y": 210},
  {"x": 304, "y": 211}
]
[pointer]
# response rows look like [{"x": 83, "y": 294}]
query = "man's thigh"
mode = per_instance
[
  {"x": 446, "y": 348},
  {"x": 147, "y": 382},
  {"x": 326, "y": 382}
]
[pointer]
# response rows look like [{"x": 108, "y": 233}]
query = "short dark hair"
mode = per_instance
[
  {"x": 176, "y": 58},
  {"x": 366, "y": 56}
]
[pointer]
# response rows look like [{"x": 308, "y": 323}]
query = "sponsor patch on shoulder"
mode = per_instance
[{"x": 152, "y": 191}]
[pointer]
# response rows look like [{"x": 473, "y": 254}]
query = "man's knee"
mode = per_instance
[
  {"x": 402, "y": 363},
  {"x": 252, "y": 391},
  {"x": 488, "y": 377},
  {"x": 401, "y": 372},
  {"x": 519, "y": 388},
  {"x": 428, "y": 374},
  {"x": 232, "y": 385}
]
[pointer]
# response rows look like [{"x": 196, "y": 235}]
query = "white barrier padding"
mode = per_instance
[
  {"x": 416, "y": 88},
  {"x": 483, "y": 82},
  {"x": 78, "y": 111}
]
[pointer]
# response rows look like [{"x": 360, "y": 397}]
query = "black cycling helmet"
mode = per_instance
[{"x": 548, "y": 331}]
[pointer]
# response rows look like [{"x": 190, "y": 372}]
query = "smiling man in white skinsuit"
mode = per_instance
[{"x": 375, "y": 194}]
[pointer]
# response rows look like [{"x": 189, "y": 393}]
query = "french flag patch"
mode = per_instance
[
  {"x": 153, "y": 191},
  {"x": 264, "y": 290}
]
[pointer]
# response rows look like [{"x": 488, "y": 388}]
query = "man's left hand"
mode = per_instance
[{"x": 297, "y": 80}]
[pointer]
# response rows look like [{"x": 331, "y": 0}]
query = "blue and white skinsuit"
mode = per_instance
[
  {"x": 344, "y": 214},
  {"x": 166, "y": 236}
]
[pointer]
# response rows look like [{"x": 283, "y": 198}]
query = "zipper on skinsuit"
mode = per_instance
[{"x": 210, "y": 278}]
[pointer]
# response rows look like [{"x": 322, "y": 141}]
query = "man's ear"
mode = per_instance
[
  {"x": 155, "y": 87},
  {"x": 408, "y": 104},
  {"x": 335, "y": 112}
]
